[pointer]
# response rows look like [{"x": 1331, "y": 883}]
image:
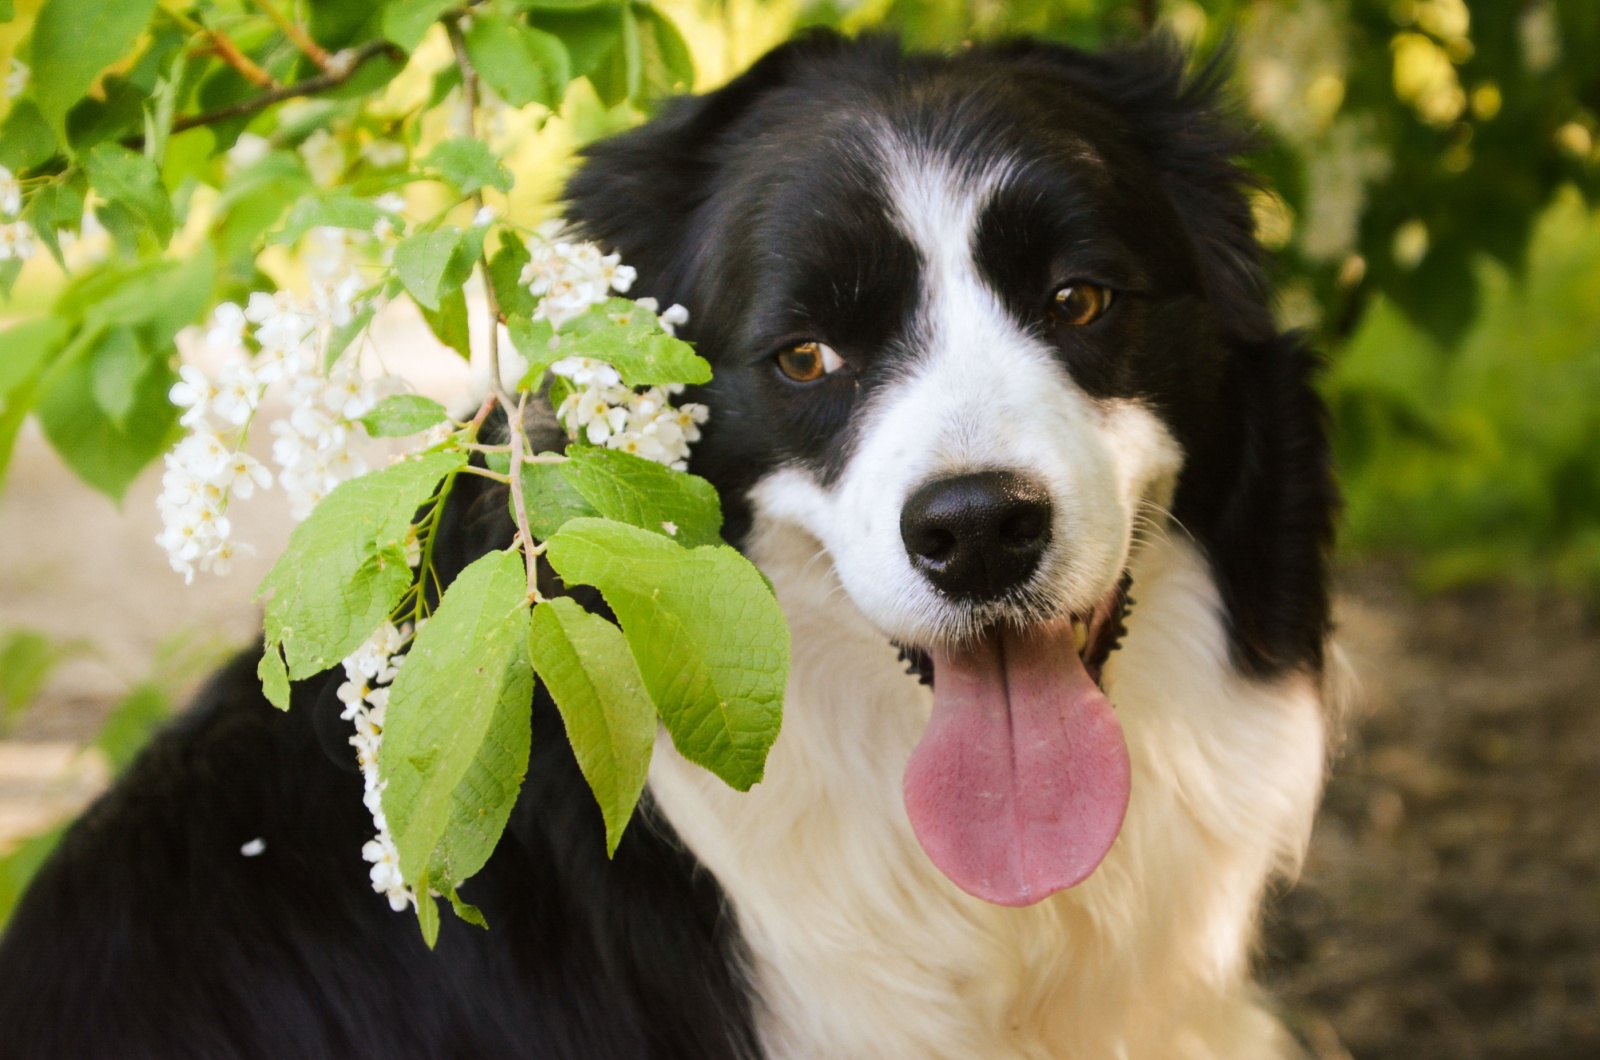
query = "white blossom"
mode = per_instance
[
  {"x": 247, "y": 150},
  {"x": 10, "y": 193},
  {"x": 324, "y": 157},
  {"x": 385, "y": 154},
  {"x": 228, "y": 325},
  {"x": 17, "y": 78},
  {"x": 365, "y": 694},
  {"x": 16, "y": 241}
]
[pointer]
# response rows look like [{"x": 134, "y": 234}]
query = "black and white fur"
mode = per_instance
[{"x": 915, "y": 213}]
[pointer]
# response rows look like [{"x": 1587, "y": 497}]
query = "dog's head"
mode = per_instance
[{"x": 978, "y": 322}]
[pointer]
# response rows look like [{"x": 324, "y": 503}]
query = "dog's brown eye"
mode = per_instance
[
  {"x": 806, "y": 362},
  {"x": 1078, "y": 304}
]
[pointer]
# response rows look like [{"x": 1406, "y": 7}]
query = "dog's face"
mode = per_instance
[{"x": 977, "y": 323}]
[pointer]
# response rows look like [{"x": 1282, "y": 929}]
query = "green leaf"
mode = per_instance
[
  {"x": 56, "y": 206},
  {"x": 585, "y": 663},
  {"x": 589, "y": 32},
  {"x": 106, "y": 452},
  {"x": 642, "y": 493},
  {"x": 131, "y": 723},
  {"x": 117, "y": 365},
  {"x": 427, "y": 914},
  {"x": 403, "y": 414},
  {"x": 336, "y": 210},
  {"x": 465, "y": 910},
  {"x": 26, "y": 140},
  {"x": 505, "y": 273},
  {"x": 551, "y": 500},
  {"x": 456, "y": 731},
  {"x": 532, "y": 340},
  {"x": 468, "y": 165},
  {"x": 668, "y": 66},
  {"x": 628, "y": 336},
  {"x": 435, "y": 263},
  {"x": 27, "y": 659},
  {"x": 449, "y": 323},
  {"x": 523, "y": 65},
  {"x": 344, "y": 569},
  {"x": 406, "y": 22},
  {"x": 274, "y": 677},
  {"x": 133, "y": 182},
  {"x": 25, "y": 346},
  {"x": 73, "y": 40},
  {"x": 340, "y": 338},
  {"x": 711, "y": 643}
]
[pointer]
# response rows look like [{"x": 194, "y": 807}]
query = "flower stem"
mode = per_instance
[
  {"x": 298, "y": 36},
  {"x": 530, "y": 550}
]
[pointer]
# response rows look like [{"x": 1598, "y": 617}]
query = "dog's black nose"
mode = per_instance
[{"x": 979, "y": 535}]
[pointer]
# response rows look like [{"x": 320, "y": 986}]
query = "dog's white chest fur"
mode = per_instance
[{"x": 860, "y": 948}]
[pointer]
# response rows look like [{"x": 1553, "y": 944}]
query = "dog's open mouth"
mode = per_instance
[{"x": 1020, "y": 783}]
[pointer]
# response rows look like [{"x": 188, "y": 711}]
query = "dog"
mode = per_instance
[{"x": 1001, "y": 410}]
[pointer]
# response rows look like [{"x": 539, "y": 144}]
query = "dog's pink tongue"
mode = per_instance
[{"x": 1018, "y": 787}]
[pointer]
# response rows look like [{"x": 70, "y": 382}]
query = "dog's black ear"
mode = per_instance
[
  {"x": 1185, "y": 124},
  {"x": 1258, "y": 494},
  {"x": 637, "y": 192},
  {"x": 1257, "y": 491}
]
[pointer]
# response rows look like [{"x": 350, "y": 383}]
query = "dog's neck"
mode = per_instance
[{"x": 861, "y": 948}]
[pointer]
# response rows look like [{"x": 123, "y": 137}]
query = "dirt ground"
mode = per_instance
[{"x": 1450, "y": 905}]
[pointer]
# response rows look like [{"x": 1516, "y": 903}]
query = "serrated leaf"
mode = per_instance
[
  {"x": 585, "y": 663},
  {"x": 73, "y": 40},
  {"x": 523, "y": 65},
  {"x": 551, "y": 499},
  {"x": 710, "y": 641},
  {"x": 468, "y": 165},
  {"x": 406, "y": 22},
  {"x": 131, "y": 181},
  {"x": 630, "y": 337},
  {"x": 456, "y": 731},
  {"x": 274, "y": 677},
  {"x": 435, "y": 263},
  {"x": 449, "y": 323},
  {"x": 505, "y": 274},
  {"x": 645, "y": 494},
  {"x": 466, "y": 910},
  {"x": 403, "y": 414},
  {"x": 344, "y": 569},
  {"x": 339, "y": 210}
]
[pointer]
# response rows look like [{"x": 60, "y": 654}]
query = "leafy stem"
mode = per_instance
[
  {"x": 530, "y": 551},
  {"x": 299, "y": 37}
]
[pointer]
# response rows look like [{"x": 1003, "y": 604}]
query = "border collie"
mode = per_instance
[{"x": 1001, "y": 410}]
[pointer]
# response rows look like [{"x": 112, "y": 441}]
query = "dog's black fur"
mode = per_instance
[{"x": 147, "y": 934}]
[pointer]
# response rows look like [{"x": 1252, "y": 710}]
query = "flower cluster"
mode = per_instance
[
  {"x": 204, "y": 472},
  {"x": 311, "y": 446},
  {"x": 569, "y": 278},
  {"x": 603, "y": 411},
  {"x": 16, "y": 237},
  {"x": 365, "y": 695}
]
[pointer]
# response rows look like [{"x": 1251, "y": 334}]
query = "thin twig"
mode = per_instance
[
  {"x": 224, "y": 48},
  {"x": 469, "y": 99},
  {"x": 299, "y": 37},
  {"x": 358, "y": 57},
  {"x": 530, "y": 555}
]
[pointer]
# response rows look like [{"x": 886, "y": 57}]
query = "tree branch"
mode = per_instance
[
  {"x": 223, "y": 47},
  {"x": 358, "y": 57},
  {"x": 299, "y": 37}
]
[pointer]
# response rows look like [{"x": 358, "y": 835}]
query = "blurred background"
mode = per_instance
[{"x": 1433, "y": 168}]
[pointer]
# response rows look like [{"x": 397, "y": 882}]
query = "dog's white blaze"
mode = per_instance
[{"x": 860, "y": 947}]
